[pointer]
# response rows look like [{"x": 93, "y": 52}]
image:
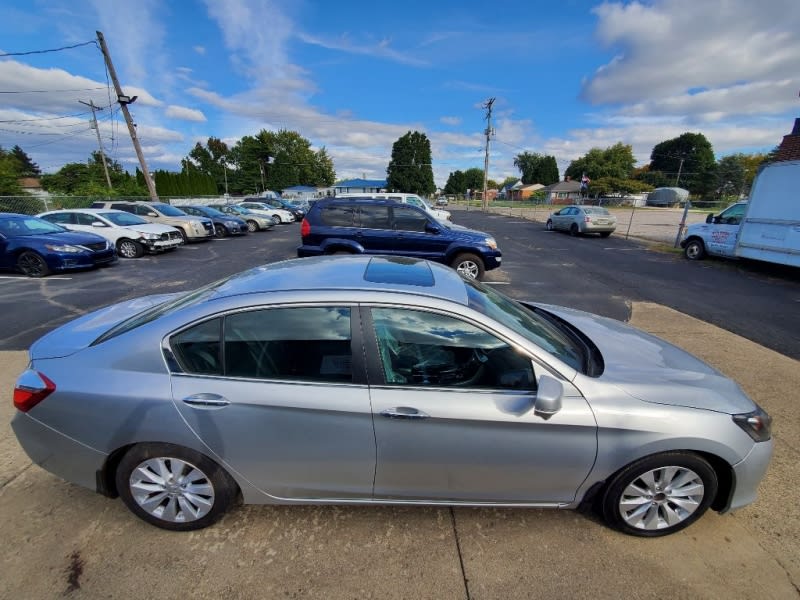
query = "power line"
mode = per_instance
[
  {"x": 50, "y": 91},
  {"x": 43, "y": 118},
  {"x": 49, "y": 50}
]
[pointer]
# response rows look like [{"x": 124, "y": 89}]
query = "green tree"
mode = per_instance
[
  {"x": 537, "y": 168},
  {"x": 615, "y": 161},
  {"x": 27, "y": 168},
  {"x": 474, "y": 179},
  {"x": 9, "y": 175},
  {"x": 88, "y": 179},
  {"x": 456, "y": 183},
  {"x": 688, "y": 160},
  {"x": 605, "y": 186},
  {"x": 410, "y": 169}
]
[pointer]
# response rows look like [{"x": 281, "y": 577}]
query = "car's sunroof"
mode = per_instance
[{"x": 399, "y": 270}]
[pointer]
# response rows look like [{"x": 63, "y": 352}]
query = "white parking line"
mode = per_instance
[{"x": 25, "y": 277}]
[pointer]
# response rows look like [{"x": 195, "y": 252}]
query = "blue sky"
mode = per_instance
[{"x": 355, "y": 76}]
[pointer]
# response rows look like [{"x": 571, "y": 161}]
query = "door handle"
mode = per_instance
[
  {"x": 206, "y": 401},
  {"x": 404, "y": 412}
]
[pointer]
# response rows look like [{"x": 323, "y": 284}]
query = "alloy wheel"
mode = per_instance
[
  {"x": 171, "y": 489},
  {"x": 661, "y": 498}
]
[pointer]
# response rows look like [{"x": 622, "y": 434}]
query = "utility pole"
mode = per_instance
[
  {"x": 488, "y": 106},
  {"x": 123, "y": 104},
  {"x": 91, "y": 105},
  {"x": 680, "y": 168}
]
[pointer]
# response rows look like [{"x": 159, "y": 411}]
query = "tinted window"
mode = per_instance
[
  {"x": 427, "y": 349},
  {"x": 375, "y": 217},
  {"x": 311, "y": 344},
  {"x": 408, "y": 219},
  {"x": 198, "y": 349},
  {"x": 124, "y": 219},
  {"x": 84, "y": 219},
  {"x": 131, "y": 208},
  {"x": 338, "y": 215},
  {"x": 60, "y": 218}
]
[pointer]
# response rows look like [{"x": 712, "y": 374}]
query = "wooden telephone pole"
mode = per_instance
[
  {"x": 123, "y": 104},
  {"x": 91, "y": 105},
  {"x": 488, "y": 132}
]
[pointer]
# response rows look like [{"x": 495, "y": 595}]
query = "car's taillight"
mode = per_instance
[
  {"x": 305, "y": 228},
  {"x": 32, "y": 387}
]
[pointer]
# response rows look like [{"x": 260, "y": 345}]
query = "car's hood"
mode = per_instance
[
  {"x": 75, "y": 238},
  {"x": 652, "y": 370},
  {"x": 461, "y": 232},
  {"x": 81, "y": 332},
  {"x": 150, "y": 228}
]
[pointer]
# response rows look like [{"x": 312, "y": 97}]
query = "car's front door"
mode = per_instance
[
  {"x": 282, "y": 400},
  {"x": 455, "y": 418},
  {"x": 415, "y": 234},
  {"x": 724, "y": 231}
]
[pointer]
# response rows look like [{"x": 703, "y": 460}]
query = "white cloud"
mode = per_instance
[
  {"x": 451, "y": 120},
  {"x": 184, "y": 113},
  {"x": 380, "y": 49},
  {"x": 199, "y": 49}
]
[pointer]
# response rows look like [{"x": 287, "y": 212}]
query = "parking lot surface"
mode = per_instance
[{"x": 63, "y": 541}]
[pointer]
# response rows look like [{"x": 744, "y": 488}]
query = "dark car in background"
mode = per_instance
[
  {"x": 37, "y": 248},
  {"x": 224, "y": 225},
  {"x": 255, "y": 222},
  {"x": 370, "y": 226}
]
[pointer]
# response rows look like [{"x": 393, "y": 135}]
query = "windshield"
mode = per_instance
[
  {"x": 595, "y": 210},
  {"x": 123, "y": 219},
  {"x": 169, "y": 211},
  {"x": 538, "y": 330},
  {"x": 210, "y": 212},
  {"x": 23, "y": 226}
]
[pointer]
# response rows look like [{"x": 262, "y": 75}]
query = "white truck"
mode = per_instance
[{"x": 766, "y": 227}]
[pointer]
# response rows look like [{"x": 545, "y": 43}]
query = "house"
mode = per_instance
[
  {"x": 359, "y": 186},
  {"x": 32, "y": 185},
  {"x": 563, "y": 192},
  {"x": 524, "y": 191},
  {"x": 306, "y": 192},
  {"x": 789, "y": 148}
]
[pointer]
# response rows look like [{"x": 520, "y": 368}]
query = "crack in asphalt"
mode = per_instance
[
  {"x": 3, "y": 484},
  {"x": 460, "y": 556}
]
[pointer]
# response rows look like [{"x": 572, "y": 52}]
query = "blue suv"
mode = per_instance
[{"x": 370, "y": 226}]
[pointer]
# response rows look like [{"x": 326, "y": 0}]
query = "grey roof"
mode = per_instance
[{"x": 564, "y": 186}]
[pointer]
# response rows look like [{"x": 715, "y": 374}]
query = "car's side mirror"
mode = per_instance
[
  {"x": 548, "y": 397},
  {"x": 152, "y": 214},
  {"x": 710, "y": 218},
  {"x": 99, "y": 224},
  {"x": 431, "y": 228}
]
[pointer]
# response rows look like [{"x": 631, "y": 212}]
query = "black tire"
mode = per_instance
[
  {"x": 651, "y": 501},
  {"x": 573, "y": 230},
  {"x": 184, "y": 237},
  {"x": 129, "y": 249},
  {"x": 549, "y": 225},
  {"x": 220, "y": 231},
  {"x": 32, "y": 265},
  {"x": 605, "y": 234},
  {"x": 211, "y": 483},
  {"x": 252, "y": 226},
  {"x": 469, "y": 266},
  {"x": 695, "y": 249}
]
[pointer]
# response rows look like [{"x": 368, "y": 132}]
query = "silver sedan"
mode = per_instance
[
  {"x": 580, "y": 219},
  {"x": 364, "y": 380}
]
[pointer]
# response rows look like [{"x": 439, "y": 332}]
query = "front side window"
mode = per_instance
[
  {"x": 428, "y": 349},
  {"x": 408, "y": 219},
  {"x": 59, "y": 218},
  {"x": 88, "y": 220}
]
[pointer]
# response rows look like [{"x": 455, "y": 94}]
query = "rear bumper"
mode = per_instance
[
  {"x": 592, "y": 228},
  {"x": 60, "y": 455}
]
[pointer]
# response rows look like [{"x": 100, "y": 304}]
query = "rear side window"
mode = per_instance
[
  {"x": 338, "y": 215},
  {"x": 374, "y": 217}
]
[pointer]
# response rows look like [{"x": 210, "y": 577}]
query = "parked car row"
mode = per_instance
[{"x": 76, "y": 238}]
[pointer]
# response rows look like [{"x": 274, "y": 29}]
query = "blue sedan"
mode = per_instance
[{"x": 37, "y": 248}]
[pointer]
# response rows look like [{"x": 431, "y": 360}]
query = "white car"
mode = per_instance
[
  {"x": 132, "y": 235},
  {"x": 264, "y": 208}
]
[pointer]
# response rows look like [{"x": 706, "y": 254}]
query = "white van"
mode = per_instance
[{"x": 412, "y": 199}]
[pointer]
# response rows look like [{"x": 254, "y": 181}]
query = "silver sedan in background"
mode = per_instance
[
  {"x": 580, "y": 219},
  {"x": 370, "y": 379}
]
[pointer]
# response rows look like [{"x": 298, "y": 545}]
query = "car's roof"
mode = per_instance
[
  {"x": 92, "y": 211},
  {"x": 357, "y": 272}
]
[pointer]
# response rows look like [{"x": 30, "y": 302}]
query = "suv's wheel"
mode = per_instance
[
  {"x": 129, "y": 249},
  {"x": 695, "y": 250},
  {"x": 32, "y": 265},
  {"x": 659, "y": 494},
  {"x": 468, "y": 266},
  {"x": 174, "y": 487}
]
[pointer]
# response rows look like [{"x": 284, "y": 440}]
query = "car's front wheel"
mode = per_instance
[
  {"x": 32, "y": 265},
  {"x": 468, "y": 266},
  {"x": 574, "y": 230},
  {"x": 220, "y": 231},
  {"x": 549, "y": 225},
  {"x": 694, "y": 250},
  {"x": 129, "y": 249},
  {"x": 173, "y": 487},
  {"x": 252, "y": 226},
  {"x": 659, "y": 494}
]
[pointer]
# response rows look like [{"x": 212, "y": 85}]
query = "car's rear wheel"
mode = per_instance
[
  {"x": 173, "y": 487},
  {"x": 32, "y": 265},
  {"x": 574, "y": 230},
  {"x": 220, "y": 231},
  {"x": 659, "y": 494},
  {"x": 695, "y": 250},
  {"x": 252, "y": 226},
  {"x": 549, "y": 225},
  {"x": 129, "y": 249},
  {"x": 468, "y": 266}
]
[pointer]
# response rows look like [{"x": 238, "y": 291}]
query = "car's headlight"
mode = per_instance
[
  {"x": 491, "y": 243},
  {"x": 231, "y": 223},
  {"x": 64, "y": 248},
  {"x": 151, "y": 236},
  {"x": 756, "y": 424}
]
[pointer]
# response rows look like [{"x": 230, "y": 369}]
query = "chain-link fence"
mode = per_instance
[{"x": 32, "y": 205}]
